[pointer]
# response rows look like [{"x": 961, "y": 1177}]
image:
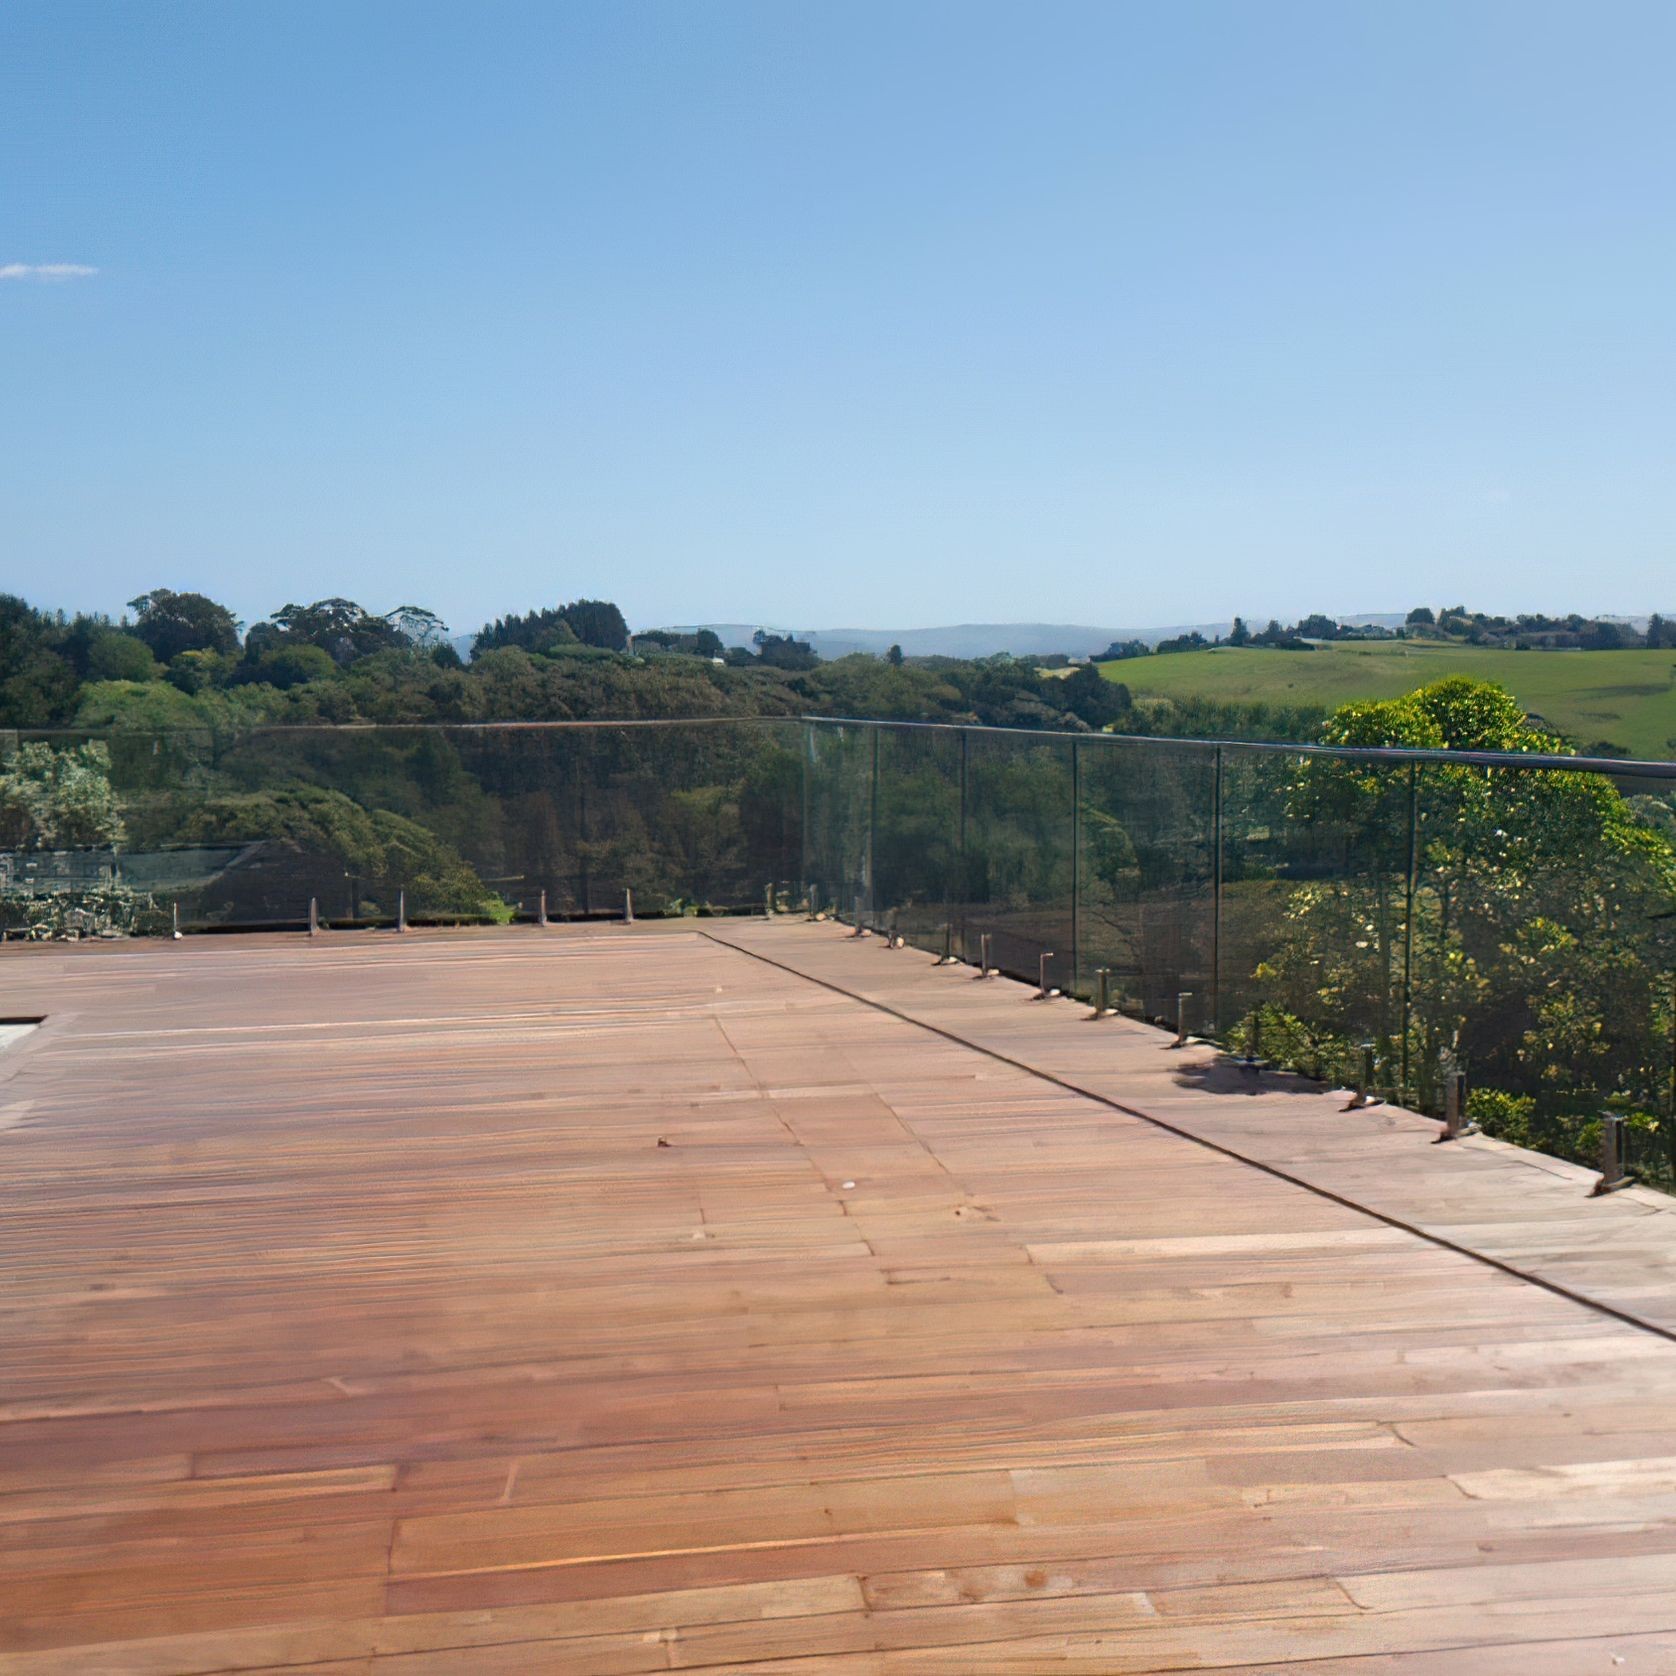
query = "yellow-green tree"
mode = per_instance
[{"x": 1530, "y": 943}]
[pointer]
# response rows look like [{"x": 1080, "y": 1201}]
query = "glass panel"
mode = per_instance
[
  {"x": 454, "y": 824},
  {"x": 1146, "y": 874},
  {"x": 690, "y": 818},
  {"x": 1650, "y": 1153},
  {"x": 1543, "y": 950},
  {"x": 1315, "y": 880},
  {"x": 84, "y": 824},
  {"x": 838, "y": 760},
  {"x": 917, "y": 838},
  {"x": 1019, "y": 852},
  {"x": 354, "y": 819}
]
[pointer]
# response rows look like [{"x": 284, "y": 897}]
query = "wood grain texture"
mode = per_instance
[
  {"x": 599, "y": 1300},
  {"x": 1522, "y": 1209}
]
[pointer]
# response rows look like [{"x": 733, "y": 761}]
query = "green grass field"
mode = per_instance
[{"x": 1625, "y": 698}]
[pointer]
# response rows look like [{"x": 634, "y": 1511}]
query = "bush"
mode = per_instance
[
  {"x": 1506, "y": 1116},
  {"x": 196, "y": 672},
  {"x": 120, "y": 657},
  {"x": 385, "y": 851},
  {"x": 285, "y": 667},
  {"x": 59, "y": 799},
  {"x": 1294, "y": 1044},
  {"x": 1517, "y": 1119}
]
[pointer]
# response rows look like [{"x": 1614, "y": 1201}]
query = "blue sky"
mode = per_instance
[{"x": 844, "y": 314}]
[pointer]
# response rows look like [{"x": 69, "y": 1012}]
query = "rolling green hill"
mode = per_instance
[{"x": 1625, "y": 699}]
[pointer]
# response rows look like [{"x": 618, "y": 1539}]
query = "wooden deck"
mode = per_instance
[
  {"x": 615, "y": 1301},
  {"x": 1530, "y": 1213}
]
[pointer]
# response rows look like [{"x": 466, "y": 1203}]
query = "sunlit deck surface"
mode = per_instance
[{"x": 748, "y": 1297}]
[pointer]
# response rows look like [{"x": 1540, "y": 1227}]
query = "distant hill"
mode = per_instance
[
  {"x": 982, "y": 640},
  {"x": 957, "y": 640},
  {"x": 966, "y": 640}
]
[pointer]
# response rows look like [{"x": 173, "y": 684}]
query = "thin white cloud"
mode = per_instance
[{"x": 46, "y": 270}]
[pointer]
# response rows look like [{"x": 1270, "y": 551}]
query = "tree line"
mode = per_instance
[
  {"x": 180, "y": 659},
  {"x": 1529, "y": 631}
]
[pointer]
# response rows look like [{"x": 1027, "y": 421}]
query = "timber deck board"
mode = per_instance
[{"x": 592, "y": 1300}]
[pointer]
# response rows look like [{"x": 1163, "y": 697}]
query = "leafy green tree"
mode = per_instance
[
  {"x": 1534, "y": 951},
  {"x": 288, "y": 666},
  {"x": 330, "y": 834},
  {"x": 597, "y": 622},
  {"x": 1018, "y": 826},
  {"x": 115, "y": 656},
  {"x": 37, "y": 683},
  {"x": 912, "y": 828},
  {"x": 171, "y": 623},
  {"x": 58, "y": 799},
  {"x": 164, "y": 707},
  {"x": 768, "y": 802},
  {"x": 196, "y": 672},
  {"x": 535, "y": 631},
  {"x": 1093, "y": 699},
  {"x": 337, "y": 626}
]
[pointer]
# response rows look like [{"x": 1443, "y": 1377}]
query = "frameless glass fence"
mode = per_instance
[
  {"x": 1370, "y": 918},
  {"x": 1375, "y": 919},
  {"x": 124, "y": 832}
]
